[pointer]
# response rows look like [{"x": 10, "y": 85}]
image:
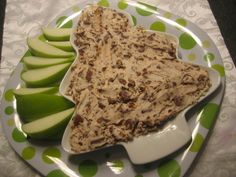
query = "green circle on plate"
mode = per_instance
[
  {"x": 28, "y": 153},
  {"x": 50, "y": 153},
  {"x": 186, "y": 41},
  {"x": 170, "y": 168},
  {"x": 9, "y": 110},
  {"x": 134, "y": 20},
  {"x": 18, "y": 136},
  {"x": 206, "y": 44},
  {"x": 103, "y": 3},
  {"x": 181, "y": 22},
  {"x": 220, "y": 69},
  {"x": 158, "y": 26},
  {"x": 208, "y": 115},
  {"x": 61, "y": 20},
  {"x": 145, "y": 9},
  {"x": 9, "y": 96},
  {"x": 88, "y": 168},
  {"x": 191, "y": 56},
  {"x": 122, "y": 5},
  {"x": 209, "y": 57},
  {"x": 75, "y": 9},
  {"x": 197, "y": 143},
  {"x": 10, "y": 122},
  {"x": 167, "y": 15},
  {"x": 56, "y": 173}
]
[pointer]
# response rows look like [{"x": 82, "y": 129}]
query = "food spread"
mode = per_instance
[{"x": 127, "y": 81}]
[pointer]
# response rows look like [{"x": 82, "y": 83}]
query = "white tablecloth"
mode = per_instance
[{"x": 218, "y": 158}]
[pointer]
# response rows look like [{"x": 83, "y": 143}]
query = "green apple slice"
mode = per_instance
[
  {"x": 64, "y": 45},
  {"x": 32, "y": 63},
  {"x": 49, "y": 126},
  {"x": 35, "y": 106},
  {"x": 57, "y": 34},
  {"x": 43, "y": 49},
  {"x": 44, "y": 76},
  {"x": 42, "y": 58},
  {"x": 30, "y": 91}
]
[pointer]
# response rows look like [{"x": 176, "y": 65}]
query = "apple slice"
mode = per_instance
[
  {"x": 30, "y": 91},
  {"x": 45, "y": 76},
  {"x": 34, "y": 106},
  {"x": 50, "y": 126},
  {"x": 32, "y": 63},
  {"x": 42, "y": 58},
  {"x": 43, "y": 49},
  {"x": 64, "y": 45},
  {"x": 57, "y": 34}
]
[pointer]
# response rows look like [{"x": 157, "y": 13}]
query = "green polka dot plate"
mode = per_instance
[{"x": 51, "y": 160}]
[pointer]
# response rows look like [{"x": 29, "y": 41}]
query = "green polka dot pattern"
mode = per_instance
[
  {"x": 158, "y": 26},
  {"x": 181, "y": 21},
  {"x": 18, "y": 136},
  {"x": 103, "y": 3},
  {"x": 209, "y": 57},
  {"x": 192, "y": 57},
  {"x": 9, "y": 110},
  {"x": 62, "y": 23},
  {"x": 9, "y": 95},
  {"x": 220, "y": 69},
  {"x": 56, "y": 173},
  {"x": 169, "y": 169},
  {"x": 28, "y": 153},
  {"x": 145, "y": 9},
  {"x": 75, "y": 9},
  {"x": 10, "y": 122},
  {"x": 122, "y": 5},
  {"x": 206, "y": 44},
  {"x": 50, "y": 153},
  {"x": 167, "y": 15},
  {"x": 208, "y": 115},
  {"x": 197, "y": 143},
  {"x": 88, "y": 168},
  {"x": 186, "y": 41}
]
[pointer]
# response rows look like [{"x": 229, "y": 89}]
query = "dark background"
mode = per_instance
[
  {"x": 2, "y": 14},
  {"x": 224, "y": 11}
]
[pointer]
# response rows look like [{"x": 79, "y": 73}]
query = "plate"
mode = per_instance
[{"x": 50, "y": 159}]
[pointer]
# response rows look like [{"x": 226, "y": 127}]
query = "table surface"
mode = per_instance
[{"x": 218, "y": 157}]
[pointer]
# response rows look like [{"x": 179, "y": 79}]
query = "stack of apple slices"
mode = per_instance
[{"x": 44, "y": 112}]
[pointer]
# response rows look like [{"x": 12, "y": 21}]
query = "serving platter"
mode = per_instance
[{"x": 51, "y": 160}]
